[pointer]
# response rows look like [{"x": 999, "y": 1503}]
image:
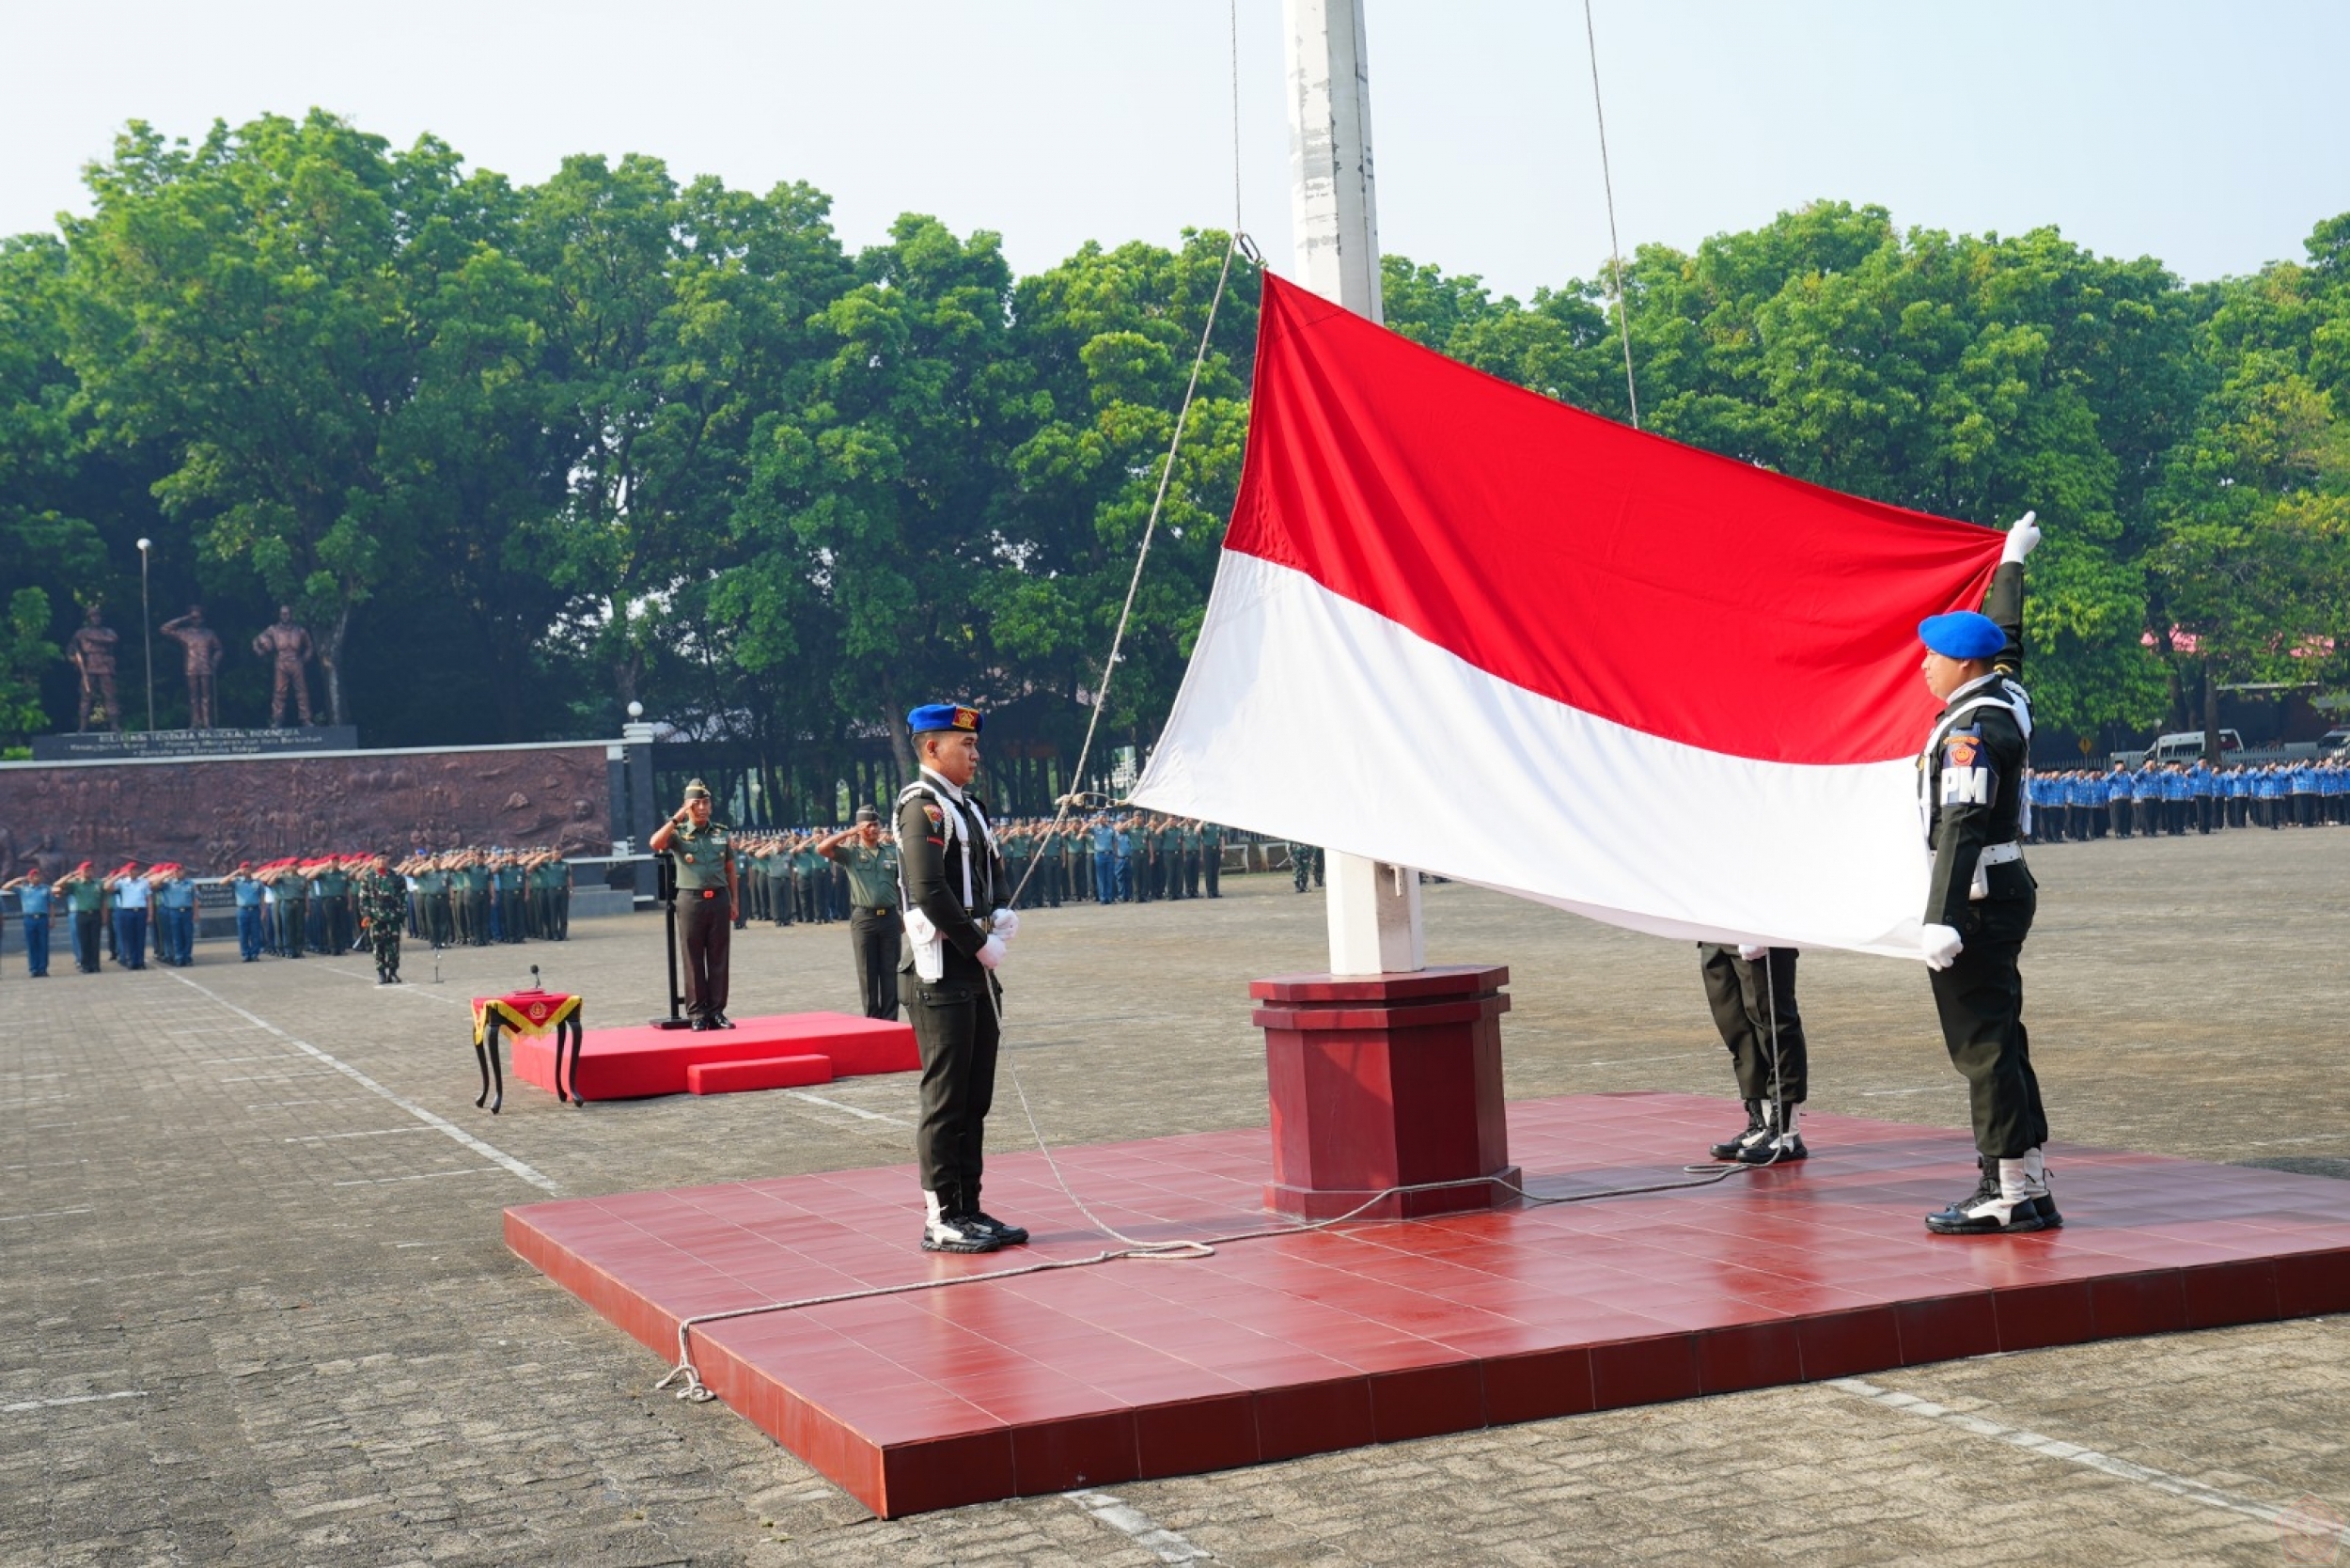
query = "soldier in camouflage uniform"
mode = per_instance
[{"x": 383, "y": 915}]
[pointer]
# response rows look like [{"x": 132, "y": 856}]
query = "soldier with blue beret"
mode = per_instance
[{"x": 1981, "y": 897}]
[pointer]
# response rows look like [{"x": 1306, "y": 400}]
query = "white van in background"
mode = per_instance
[{"x": 2185, "y": 746}]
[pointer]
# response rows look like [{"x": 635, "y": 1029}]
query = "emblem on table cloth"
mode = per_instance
[{"x": 524, "y": 1013}]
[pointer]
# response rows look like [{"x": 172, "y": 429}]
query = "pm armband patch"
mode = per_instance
[{"x": 1965, "y": 785}]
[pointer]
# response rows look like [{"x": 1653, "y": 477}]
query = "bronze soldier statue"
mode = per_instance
[
  {"x": 289, "y": 645},
  {"x": 92, "y": 650},
  {"x": 202, "y": 647}
]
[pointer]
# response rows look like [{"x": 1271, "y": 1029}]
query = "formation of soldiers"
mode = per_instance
[
  {"x": 785, "y": 879},
  {"x": 297, "y": 905},
  {"x": 471, "y": 897},
  {"x": 1111, "y": 857},
  {"x": 2158, "y": 798}
]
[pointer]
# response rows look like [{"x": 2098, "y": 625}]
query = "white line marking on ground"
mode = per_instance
[
  {"x": 1635, "y": 1061},
  {"x": 274, "y": 1077},
  {"x": 1136, "y": 1526},
  {"x": 45, "y": 1213},
  {"x": 401, "y": 989},
  {"x": 1888, "y": 1093},
  {"x": 22, "y": 1405},
  {"x": 2145, "y": 1475},
  {"x": 439, "y": 1123},
  {"x": 380, "y": 1131},
  {"x": 853, "y": 1111},
  {"x": 419, "y": 1176}
]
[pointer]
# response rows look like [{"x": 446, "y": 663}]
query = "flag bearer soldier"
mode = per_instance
[
  {"x": 382, "y": 911},
  {"x": 706, "y": 887},
  {"x": 1751, "y": 991},
  {"x": 875, "y": 924},
  {"x": 33, "y": 899},
  {"x": 1211, "y": 856},
  {"x": 1981, "y": 898},
  {"x": 1187, "y": 841},
  {"x": 956, "y": 927}
]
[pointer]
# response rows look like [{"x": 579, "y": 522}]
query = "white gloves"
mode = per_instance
[
  {"x": 1753, "y": 955},
  {"x": 1004, "y": 923},
  {"x": 2021, "y": 538},
  {"x": 992, "y": 952},
  {"x": 1939, "y": 946}
]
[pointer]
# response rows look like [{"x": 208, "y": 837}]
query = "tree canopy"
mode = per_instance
[{"x": 523, "y": 455}]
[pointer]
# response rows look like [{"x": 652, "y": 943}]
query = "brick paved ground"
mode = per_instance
[{"x": 279, "y": 1302}]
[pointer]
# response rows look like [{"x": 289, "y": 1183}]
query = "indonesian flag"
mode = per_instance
[{"x": 1461, "y": 627}]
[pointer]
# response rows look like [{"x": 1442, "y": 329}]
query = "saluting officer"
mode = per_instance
[
  {"x": 705, "y": 884},
  {"x": 954, "y": 894},
  {"x": 1981, "y": 897},
  {"x": 875, "y": 925}
]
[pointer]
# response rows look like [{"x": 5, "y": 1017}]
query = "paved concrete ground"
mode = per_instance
[{"x": 254, "y": 1310}]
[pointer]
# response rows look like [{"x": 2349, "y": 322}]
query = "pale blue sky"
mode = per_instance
[{"x": 2212, "y": 135}]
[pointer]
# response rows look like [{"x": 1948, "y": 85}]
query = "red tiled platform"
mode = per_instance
[
  {"x": 632, "y": 1063},
  {"x": 1306, "y": 1344}
]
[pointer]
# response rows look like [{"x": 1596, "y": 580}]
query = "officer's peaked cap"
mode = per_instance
[
  {"x": 697, "y": 789},
  {"x": 1962, "y": 635}
]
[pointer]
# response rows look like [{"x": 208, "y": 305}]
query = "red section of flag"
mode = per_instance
[{"x": 1675, "y": 593}]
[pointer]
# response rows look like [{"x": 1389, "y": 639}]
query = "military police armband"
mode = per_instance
[{"x": 1968, "y": 777}]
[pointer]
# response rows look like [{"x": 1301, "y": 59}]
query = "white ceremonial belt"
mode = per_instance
[{"x": 1999, "y": 855}]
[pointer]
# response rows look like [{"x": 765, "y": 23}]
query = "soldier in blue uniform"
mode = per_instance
[
  {"x": 957, "y": 927},
  {"x": 33, "y": 902},
  {"x": 1981, "y": 897}
]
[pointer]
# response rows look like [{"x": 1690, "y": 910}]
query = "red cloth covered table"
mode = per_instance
[{"x": 525, "y": 1012}]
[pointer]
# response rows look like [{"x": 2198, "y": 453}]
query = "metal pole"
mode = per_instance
[
  {"x": 1374, "y": 908},
  {"x": 146, "y": 635}
]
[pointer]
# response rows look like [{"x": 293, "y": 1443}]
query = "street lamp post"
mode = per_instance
[{"x": 146, "y": 635}]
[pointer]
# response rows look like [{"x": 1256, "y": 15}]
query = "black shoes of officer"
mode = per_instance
[
  {"x": 2011, "y": 1199},
  {"x": 700, "y": 1023},
  {"x": 1762, "y": 1142},
  {"x": 720, "y": 1021},
  {"x": 1736, "y": 1148},
  {"x": 988, "y": 1225},
  {"x": 947, "y": 1232}
]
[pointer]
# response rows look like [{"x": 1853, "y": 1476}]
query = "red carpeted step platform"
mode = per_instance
[
  {"x": 1369, "y": 1333},
  {"x": 632, "y": 1063}
]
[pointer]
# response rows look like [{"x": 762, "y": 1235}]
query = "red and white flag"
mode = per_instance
[{"x": 1462, "y": 627}]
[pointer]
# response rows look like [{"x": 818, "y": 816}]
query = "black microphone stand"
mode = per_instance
[{"x": 666, "y": 890}]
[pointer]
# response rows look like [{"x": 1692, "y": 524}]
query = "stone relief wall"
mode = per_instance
[{"x": 209, "y": 815}]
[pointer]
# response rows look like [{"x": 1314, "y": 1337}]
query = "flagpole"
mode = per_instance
[{"x": 1374, "y": 908}]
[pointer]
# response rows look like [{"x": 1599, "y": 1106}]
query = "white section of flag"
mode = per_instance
[{"x": 1310, "y": 718}]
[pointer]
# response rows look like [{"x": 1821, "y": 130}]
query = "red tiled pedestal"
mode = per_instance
[{"x": 1385, "y": 1081}]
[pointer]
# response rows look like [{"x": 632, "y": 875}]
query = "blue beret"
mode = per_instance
[
  {"x": 1962, "y": 635},
  {"x": 933, "y": 716}
]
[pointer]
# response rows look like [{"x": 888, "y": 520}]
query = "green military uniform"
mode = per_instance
[
  {"x": 776, "y": 871},
  {"x": 1212, "y": 857},
  {"x": 293, "y": 912},
  {"x": 330, "y": 890},
  {"x": 1188, "y": 839},
  {"x": 705, "y": 857},
  {"x": 876, "y": 928},
  {"x": 383, "y": 913}
]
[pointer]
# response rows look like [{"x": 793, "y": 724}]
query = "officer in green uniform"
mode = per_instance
[
  {"x": 1300, "y": 864},
  {"x": 956, "y": 929},
  {"x": 328, "y": 890},
  {"x": 1981, "y": 900},
  {"x": 875, "y": 925},
  {"x": 382, "y": 911},
  {"x": 706, "y": 887},
  {"x": 1211, "y": 857}
]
